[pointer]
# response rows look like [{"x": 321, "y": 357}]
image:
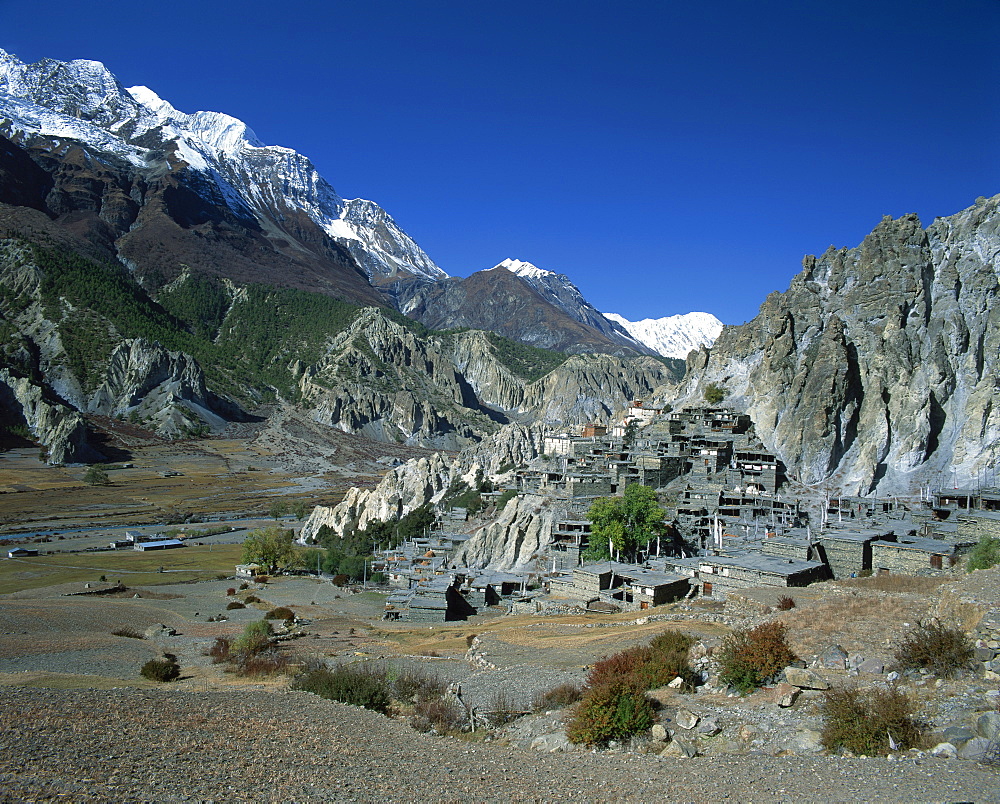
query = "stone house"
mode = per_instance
[{"x": 914, "y": 555}]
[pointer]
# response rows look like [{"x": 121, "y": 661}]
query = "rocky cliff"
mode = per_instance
[
  {"x": 515, "y": 538},
  {"x": 500, "y": 301},
  {"x": 446, "y": 391},
  {"x": 877, "y": 369},
  {"x": 426, "y": 480},
  {"x": 60, "y": 430}
]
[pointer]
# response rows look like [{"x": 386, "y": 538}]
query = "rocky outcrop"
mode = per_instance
[
  {"x": 500, "y": 301},
  {"x": 877, "y": 369},
  {"x": 425, "y": 480},
  {"x": 166, "y": 388},
  {"x": 401, "y": 491},
  {"x": 378, "y": 378},
  {"x": 592, "y": 388},
  {"x": 515, "y": 538},
  {"x": 61, "y": 430}
]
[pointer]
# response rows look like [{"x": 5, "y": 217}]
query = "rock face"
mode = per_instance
[
  {"x": 424, "y": 480},
  {"x": 379, "y": 379},
  {"x": 61, "y": 430},
  {"x": 501, "y": 301},
  {"x": 165, "y": 387},
  {"x": 877, "y": 368},
  {"x": 514, "y": 538},
  {"x": 57, "y": 356}
]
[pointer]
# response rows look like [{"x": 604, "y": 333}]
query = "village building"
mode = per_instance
[
  {"x": 913, "y": 555},
  {"x": 21, "y": 552},
  {"x": 162, "y": 544}
]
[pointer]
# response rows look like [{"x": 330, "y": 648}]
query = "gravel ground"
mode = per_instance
[{"x": 165, "y": 745}]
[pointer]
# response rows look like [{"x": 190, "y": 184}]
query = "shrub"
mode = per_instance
[
  {"x": 266, "y": 663},
  {"x": 936, "y": 647},
  {"x": 256, "y": 638},
  {"x": 355, "y": 686},
  {"x": 985, "y": 554},
  {"x": 715, "y": 393},
  {"x": 244, "y": 585},
  {"x": 280, "y": 613},
  {"x": 501, "y": 709},
  {"x": 413, "y": 685},
  {"x": 469, "y": 639},
  {"x": 648, "y": 666},
  {"x": 219, "y": 651},
  {"x": 443, "y": 715},
  {"x": 163, "y": 670},
  {"x": 230, "y": 591},
  {"x": 611, "y": 711},
  {"x": 234, "y": 604},
  {"x": 747, "y": 659},
  {"x": 863, "y": 721},
  {"x": 251, "y": 599},
  {"x": 559, "y": 697},
  {"x": 131, "y": 633},
  {"x": 785, "y": 603}
]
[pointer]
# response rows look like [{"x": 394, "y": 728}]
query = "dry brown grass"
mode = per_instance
[
  {"x": 896, "y": 583},
  {"x": 859, "y": 622}
]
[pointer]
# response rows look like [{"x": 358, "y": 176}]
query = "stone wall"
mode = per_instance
[{"x": 846, "y": 558}]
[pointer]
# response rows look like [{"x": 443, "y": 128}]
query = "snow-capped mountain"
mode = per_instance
[
  {"x": 81, "y": 103},
  {"x": 559, "y": 291},
  {"x": 675, "y": 335}
]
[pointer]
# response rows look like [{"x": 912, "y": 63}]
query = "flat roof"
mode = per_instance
[
  {"x": 918, "y": 543},
  {"x": 762, "y": 563}
]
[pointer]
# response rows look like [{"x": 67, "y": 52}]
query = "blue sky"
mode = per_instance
[{"x": 667, "y": 156}]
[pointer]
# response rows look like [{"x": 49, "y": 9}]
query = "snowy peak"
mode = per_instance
[
  {"x": 559, "y": 291},
  {"x": 525, "y": 270},
  {"x": 675, "y": 335},
  {"x": 82, "y": 101}
]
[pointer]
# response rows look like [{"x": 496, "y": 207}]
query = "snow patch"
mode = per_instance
[{"x": 675, "y": 335}]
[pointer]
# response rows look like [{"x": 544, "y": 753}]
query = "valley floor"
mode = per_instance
[
  {"x": 80, "y": 724},
  {"x": 171, "y": 745}
]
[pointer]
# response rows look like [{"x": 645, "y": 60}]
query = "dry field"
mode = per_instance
[
  {"x": 285, "y": 458},
  {"x": 131, "y": 567}
]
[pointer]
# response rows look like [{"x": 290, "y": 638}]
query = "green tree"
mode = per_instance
[
  {"x": 96, "y": 476},
  {"x": 985, "y": 554},
  {"x": 277, "y": 510},
  {"x": 271, "y": 547},
  {"x": 627, "y": 522},
  {"x": 715, "y": 393},
  {"x": 630, "y": 430}
]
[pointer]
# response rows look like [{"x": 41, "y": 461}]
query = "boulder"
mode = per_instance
[
  {"x": 659, "y": 733},
  {"x": 834, "y": 658},
  {"x": 805, "y": 679},
  {"x": 988, "y": 725},
  {"x": 708, "y": 727},
  {"x": 808, "y": 741},
  {"x": 785, "y": 694},
  {"x": 944, "y": 751},
  {"x": 872, "y": 666},
  {"x": 975, "y": 749},
  {"x": 680, "y": 749},
  {"x": 557, "y": 743},
  {"x": 159, "y": 630},
  {"x": 958, "y": 735},
  {"x": 686, "y": 719}
]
